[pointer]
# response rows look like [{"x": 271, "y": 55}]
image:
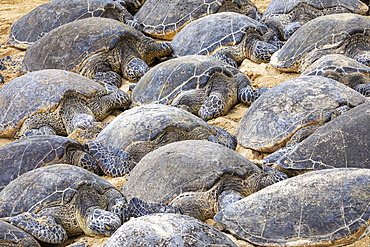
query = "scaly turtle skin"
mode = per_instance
[
  {"x": 99, "y": 48},
  {"x": 163, "y": 19},
  {"x": 11, "y": 236},
  {"x": 341, "y": 143},
  {"x": 197, "y": 177},
  {"x": 142, "y": 129},
  {"x": 38, "y": 22},
  {"x": 292, "y": 110},
  {"x": 205, "y": 85},
  {"x": 284, "y": 17},
  {"x": 346, "y": 34},
  {"x": 320, "y": 208},
  {"x": 60, "y": 201},
  {"x": 233, "y": 35},
  {"x": 55, "y": 102},
  {"x": 167, "y": 230},
  {"x": 344, "y": 69}
]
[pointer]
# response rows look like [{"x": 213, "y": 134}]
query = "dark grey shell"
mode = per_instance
[
  {"x": 290, "y": 106},
  {"x": 178, "y": 167},
  {"x": 341, "y": 143},
  {"x": 67, "y": 46},
  {"x": 32, "y": 152},
  {"x": 167, "y": 230},
  {"x": 321, "y": 208},
  {"x": 35, "y": 24},
  {"x": 48, "y": 186},
  {"x": 163, "y": 19},
  {"x": 340, "y": 64},
  {"x": 145, "y": 128},
  {"x": 210, "y": 33},
  {"x": 285, "y": 6},
  {"x": 39, "y": 92},
  {"x": 165, "y": 81},
  {"x": 14, "y": 236},
  {"x": 329, "y": 34}
]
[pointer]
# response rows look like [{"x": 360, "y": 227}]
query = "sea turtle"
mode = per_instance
[
  {"x": 33, "y": 152},
  {"x": 343, "y": 142},
  {"x": 346, "y": 34},
  {"x": 233, "y": 35},
  {"x": 197, "y": 177},
  {"x": 344, "y": 69},
  {"x": 205, "y": 85},
  {"x": 292, "y": 110},
  {"x": 13, "y": 236},
  {"x": 98, "y": 48},
  {"x": 163, "y": 19},
  {"x": 284, "y": 17},
  {"x": 167, "y": 230},
  {"x": 142, "y": 129},
  {"x": 36, "y": 23},
  {"x": 55, "y": 102},
  {"x": 321, "y": 208}
]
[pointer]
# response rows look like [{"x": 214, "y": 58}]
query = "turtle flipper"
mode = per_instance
[
  {"x": 43, "y": 228},
  {"x": 223, "y": 137},
  {"x": 135, "y": 69},
  {"x": 139, "y": 208},
  {"x": 262, "y": 52},
  {"x": 290, "y": 28},
  {"x": 108, "y": 77},
  {"x": 364, "y": 89},
  {"x": 213, "y": 107},
  {"x": 113, "y": 161},
  {"x": 121, "y": 208},
  {"x": 247, "y": 95}
]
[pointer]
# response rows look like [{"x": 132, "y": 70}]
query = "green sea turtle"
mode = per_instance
[
  {"x": 292, "y": 110},
  {"x": 98, "y": 48},
  {"x": 341, "y": 143},
  {"x": 163, "y": 19},
  {"x": 344, "y": 69},
  {"x": 55, "y": 102},
  {"x": 41, "y": 20},
  {"x": 346, "y": 34},
  {"x": 197, "y": 177},
  {"x": 167, "y": 230},
  {"x": 205, "y": 85},
  {"x": 284, "y": 17},
  {"x": 142, "y": 129},
  {"x": 321, "y": 208},
  {"x": 11, "y": 236},
  {"x": 233, "y": 35}
]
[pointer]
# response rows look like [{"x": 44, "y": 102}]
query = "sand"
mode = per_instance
[{"x": 259, "y": 74}]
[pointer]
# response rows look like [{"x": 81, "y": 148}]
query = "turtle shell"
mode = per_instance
[
  {"x": 48, "y": 186},
  {"x": 165, "y": 81},
  {"x": 327, "y": 34},
  {"x": 321, "y": 208},
  {"x": 341, "y": 143},
  {"x": 35, "y": 24},
  {"x": 13, "y": 236},
  {"x": 145, "y": 128},
  {"x": 163, "y": 229},
  {"x": 285, "y": 6},
  {"x": 191, "y": 165},
  {"x": 39, "y": 92},
  {"x": 32, "y": 152},
  {"x": 163, "y": 19},
  {"x": 68, "y": 46},
  {"x": 290, "y": 106},
  {"x": 212, "y": 32}
]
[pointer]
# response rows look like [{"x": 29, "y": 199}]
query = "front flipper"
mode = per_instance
[
  {"x": 108, "y": 77},
  {"x": 363, "y": 89},
  {"x": 139, "y": 208},
  {"x": 43, "y": 228},
  {"x": 247, "y": 95},
  {"x": 113, "y": 161}
]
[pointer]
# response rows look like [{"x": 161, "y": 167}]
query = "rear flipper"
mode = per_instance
[{"x": 44, "y": 228}]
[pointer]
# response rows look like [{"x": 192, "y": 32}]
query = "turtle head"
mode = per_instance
[
  {"x": 150, "y": 49},
  {"x": 262, "y": 51},
  {"x": 107, "y": 100},
  {"x": 101, "y": 222}
]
